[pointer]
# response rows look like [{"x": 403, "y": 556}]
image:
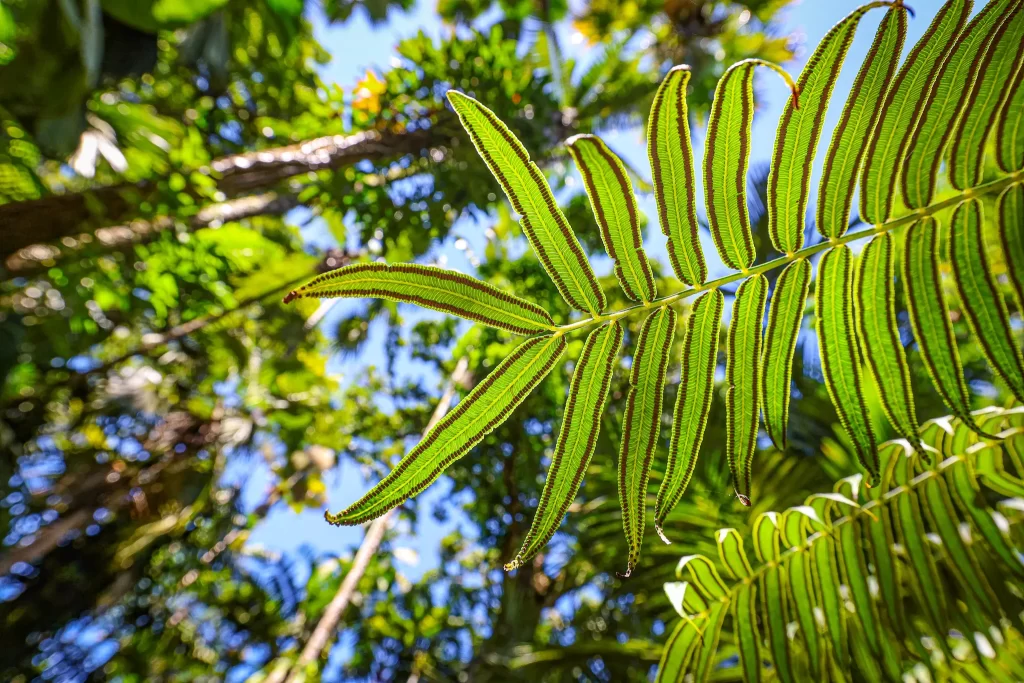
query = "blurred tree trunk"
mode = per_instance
[{"x": 53, "y": 218}]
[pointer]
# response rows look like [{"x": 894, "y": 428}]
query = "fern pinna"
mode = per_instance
[{"x": 959, "y": 89}]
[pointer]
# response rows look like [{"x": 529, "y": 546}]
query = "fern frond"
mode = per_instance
[
  {"x": 488, "y": 405},
  {"x": 840, "y": 357},
  {"x": 671, "y": 156},
  {"x": 641, "y": 424},
  {"x": 1011, "y": 238},
  {"x": 859, "y": 118},
  {"x": 726, "y": 158},
  {"x": 879, "y": 334},
  {"x": 742, "y": 379},
  {"x": 690, "y": 417},
  {"x": 611, "y": 197},
  {"x": 929, "y": 315},
  {"x": 947, "y": 96},
  {"x": 796, "y": 140},
  {"x": 902, "y": 108},
  {"x": 543, "y": 222},
  {"x": 980, "y": 299},
  {"x": 1010, "y": 128},
  {"x": 577, "y": 438},
  {"x": 785, "y": 314},
  {"x": 823, "y": 557},
  {"x": 987, "y": 95},
  {"x": 448, "y": 291}
]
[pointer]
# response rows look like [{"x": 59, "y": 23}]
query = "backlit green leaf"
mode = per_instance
[
  {"x": 1011, "y": 237},
  {"x": 726, "y": 158},
  {"x": 796, "y": 140},
  {"x": 488, "y": 405},
  {"x": 840, "y": 357},
  {"x": 929, "y": 316},
  {"x": 543, "y": 222},
  {"x": 611, "y": 197},
  {"x": 785, "y": 314},
  {"x": 577, "y": 437},
  {"x": 732, "y": 554},
  {"x": 748, "y": 639},
  {"x": 858, "y": 120},
  {"x": 742, "y": 377},
  {"x": 901, "y": 110},
  {"x": 1010, "y": 129},
  {"x": 443, "y": 290},
  {"x": 641, "y": 424},
  {"x": 879, "y": 334},
  {"x": 693, "y": 401},
  {"x": 947, "y": 95},
  {"x": 980, "y": 297},
  {"x": 671, "y": 155},
  {"x": 998, "y": 63}
]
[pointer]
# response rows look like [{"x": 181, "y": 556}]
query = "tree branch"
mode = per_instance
[
  {"x": 53, "y": 218},
  {"x": 328, "y": 623}
]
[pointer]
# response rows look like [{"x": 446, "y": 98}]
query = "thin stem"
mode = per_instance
[{"x": 930, "y": 210}]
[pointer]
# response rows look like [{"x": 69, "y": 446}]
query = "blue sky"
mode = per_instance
[{"x": 357, "y": 46}]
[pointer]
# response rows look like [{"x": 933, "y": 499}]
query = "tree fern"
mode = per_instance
[{"x": 893, "y": 136}]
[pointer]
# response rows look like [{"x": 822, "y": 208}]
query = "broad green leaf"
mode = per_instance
[
  {"x": 796, "y": 140},
  {"x": 879, "y": 334},
  {"x": 703, "y": 574},
  {"x": 641, "y": 424},
  {"x": 858, "y": 120},
  {"x": 1010, "y": 129},
  {"x": 999, "y": 61},
  {"x": 748, "y": 639},
  {"x": 804, "y": 597},
  {"x": 577, "y": 437},
  {"x": 929, "y": 316},
  {"x": 826, "y": 574},
  {"x": 543, "y": 222},
  {"x": 671, "y": 155},
  {"x": 726, "y": 158},
  {"x": 684, "y": 598},
  {"x": 981, "y": 299},
  {"x": 742, "y": 377},
  {"x": 611, "y": 197},
  {"x": 776, "y": 615},
  {"x": 1011, "y": 237},
  {"x": 730, "y": 551},
  {"x": 840, "y": 357},
  {"x": 766, "y": 537},
  {"x": 693, "y": 401},
  {"x": 967, "y": 495},
  {"x": 488, "y": 405},
  {"x": 448, "y": 291},
  {"x": 942, "y": 519},
  {"x": 855, "y": 576},
  {"x": 879, "y": 531},
  {"x": 705, "y": 656},
  {"x": 947, "y": 95},
  {"x": 785, "y": 314},
  {"x": 901, "y": 110},
  {"x": 911, "y": 534},
  {"x": 679, "y": 650}
]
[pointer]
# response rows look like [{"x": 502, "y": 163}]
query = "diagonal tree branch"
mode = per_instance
[
  {"x": 53, "y": 218},
  {"x": 328, "y": 624}
]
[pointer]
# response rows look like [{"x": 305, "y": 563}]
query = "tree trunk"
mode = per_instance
[
  {"x": 37, "y": 257},
  {"x": 53, "y": 218}
]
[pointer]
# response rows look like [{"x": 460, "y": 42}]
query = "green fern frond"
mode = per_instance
[
  {"x": 899, "y": 573},
  {"x": 960, "y": 86}
]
